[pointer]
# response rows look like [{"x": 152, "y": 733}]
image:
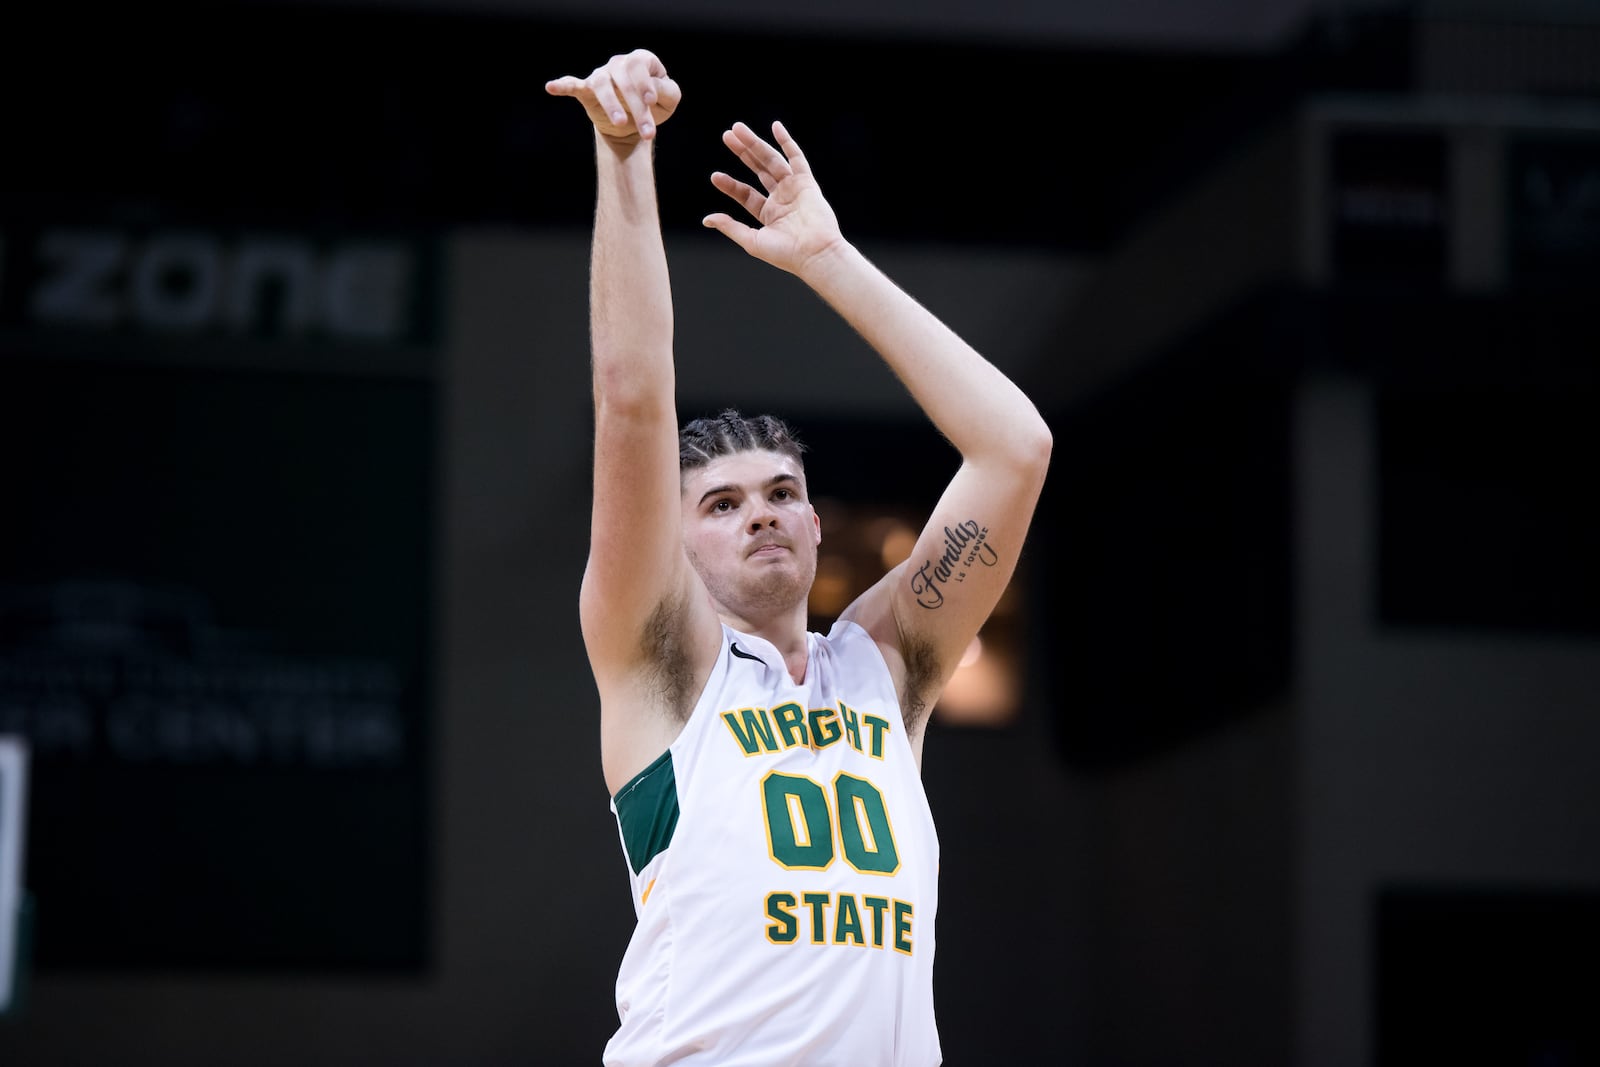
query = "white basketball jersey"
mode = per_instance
[{"x": 785, "y": 873}]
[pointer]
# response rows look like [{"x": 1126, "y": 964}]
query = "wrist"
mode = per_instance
[
  {"x": 621, "y": 145},
  {"x": 832, "y": 265}
]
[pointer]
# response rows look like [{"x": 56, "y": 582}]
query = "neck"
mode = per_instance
[{"x": 786, "y": 633}]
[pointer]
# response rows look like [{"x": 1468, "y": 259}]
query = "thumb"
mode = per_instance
[{"x": 728, "y": 226}]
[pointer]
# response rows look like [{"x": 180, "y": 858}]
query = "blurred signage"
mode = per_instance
[
  {"x": 287, "y": 286},
  {"x": 137, "y": 674},
  {"x": 216, "y": 593},
  {"x": 1389, "y": 207},
  {"x": 1553, "y": 193}
]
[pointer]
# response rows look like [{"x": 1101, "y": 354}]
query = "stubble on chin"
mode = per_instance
[{"x": 770, "y": 589}]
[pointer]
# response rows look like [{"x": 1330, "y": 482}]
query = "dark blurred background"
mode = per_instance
[{"x": 1305, "y": 651}]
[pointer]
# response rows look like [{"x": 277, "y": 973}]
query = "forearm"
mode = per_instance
[
  {"x": 981, "y": 411},
  {"x": 630, "y": 305}
]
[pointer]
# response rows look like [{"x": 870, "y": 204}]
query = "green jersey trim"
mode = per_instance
[{"x": 647, "y": 811}]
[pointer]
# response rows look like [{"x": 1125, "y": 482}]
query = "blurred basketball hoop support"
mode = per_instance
[{"x": 13, "y": 828}]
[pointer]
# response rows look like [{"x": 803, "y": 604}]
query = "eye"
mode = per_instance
[
  {"x": 722, "y": 505},
  {"x": 783, "y": 494}
]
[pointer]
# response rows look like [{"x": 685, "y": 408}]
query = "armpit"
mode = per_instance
[
  {"x": 666, "y": 655},
  {"x": 922, "y": 677}
]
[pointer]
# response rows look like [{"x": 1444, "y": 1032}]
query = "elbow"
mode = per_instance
[
  {"x": 1043, "y": 440},
  {"x": 1033, "y": 443},
  {"x": 623, "y": 393},
  {"x": 1019, "y": 454}
]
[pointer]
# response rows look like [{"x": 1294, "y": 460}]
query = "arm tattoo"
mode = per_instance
[{"x": 966, "y": 545}]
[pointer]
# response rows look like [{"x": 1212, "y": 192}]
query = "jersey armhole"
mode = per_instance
[{"x": 647, "y": 811}]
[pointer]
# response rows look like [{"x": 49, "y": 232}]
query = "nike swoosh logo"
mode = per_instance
[{"x": 742, "y": 654}]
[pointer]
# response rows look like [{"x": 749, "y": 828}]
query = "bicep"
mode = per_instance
[
  {"x": 636, "y": 560},
  {"x": 940, "y": 596},
  {"x": 649, "y": 630}
]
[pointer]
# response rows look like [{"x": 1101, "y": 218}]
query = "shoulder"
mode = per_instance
[{"x": 648, "y": 697}]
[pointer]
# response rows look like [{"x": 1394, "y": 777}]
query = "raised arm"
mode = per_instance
[
  {"x": 637, "y": 601},
  {"x": 926, "y": 611}
]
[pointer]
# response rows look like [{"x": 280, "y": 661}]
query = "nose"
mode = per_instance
[{"x": 762, "y": 517}]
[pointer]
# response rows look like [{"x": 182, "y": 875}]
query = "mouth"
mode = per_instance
[{"x": 771, "y": 548}]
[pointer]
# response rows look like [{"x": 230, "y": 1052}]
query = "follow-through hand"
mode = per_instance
[{"x": 626, "y": 97}]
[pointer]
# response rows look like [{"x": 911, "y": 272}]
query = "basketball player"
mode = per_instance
[{"x": 766, "y": 779}]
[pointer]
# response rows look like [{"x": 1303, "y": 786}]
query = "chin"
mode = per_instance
[{"x": 776, "y": 591}]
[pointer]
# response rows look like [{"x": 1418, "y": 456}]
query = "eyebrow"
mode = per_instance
[{"x": 775, "y": 480}]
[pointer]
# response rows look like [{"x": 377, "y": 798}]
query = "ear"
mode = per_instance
[{"x": 816, "y": 521}]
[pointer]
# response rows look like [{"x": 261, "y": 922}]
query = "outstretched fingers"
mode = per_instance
[
  {"x": 741, "y": 193},
  {"x": 791, "y": 148},
  {"x": 765, "y": 162}
]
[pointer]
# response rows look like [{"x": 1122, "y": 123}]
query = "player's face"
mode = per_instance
[{"x": 751, "y": 532}]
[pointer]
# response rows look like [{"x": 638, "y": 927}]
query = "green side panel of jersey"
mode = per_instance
[{"x": 647, "y": 811}]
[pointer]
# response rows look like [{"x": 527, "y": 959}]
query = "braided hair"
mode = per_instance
[{"x": 706, "y": 439}]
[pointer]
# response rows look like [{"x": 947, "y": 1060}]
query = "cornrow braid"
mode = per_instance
[{"x": 706, "y": 439}]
